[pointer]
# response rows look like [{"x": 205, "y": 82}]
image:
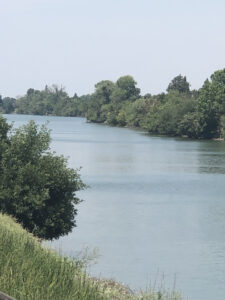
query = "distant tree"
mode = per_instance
[
  {"x": 180, "y": 84},
  {"x": 36, "y": 186},
  {"x": 103, "y": 90},
  {"x": 191, "y": 125},
  {"x": 31, "y": 91},
  {"x": 128, "y": 85},
  {"x": 53, "y": 100},
  {"x": 118, "y": 96},
  {"x": 121, "y": 117},
  {"x": 135, "y": 112},
  {"x": 4, "y": 129},
  {"x": 211, "y": 105},
  {"x": 165, "y": 117},
  {"x": 1, "y": 108},
  {"x": 148, "y": 95},
  {"x": 8, "y": 105},
  {"x": 75, "y": 96},
  {"x": 195, "y": 93},
  {"x": 109, "y": 97}
]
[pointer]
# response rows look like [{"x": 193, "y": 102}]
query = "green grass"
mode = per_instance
[{"x": 29, "y": 271}]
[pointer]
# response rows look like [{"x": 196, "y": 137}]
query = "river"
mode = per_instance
[{"x": 155, "y": 207}]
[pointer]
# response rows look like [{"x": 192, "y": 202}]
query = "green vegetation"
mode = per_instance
[
  {"x": 180, "y": 84},
  {"x": 36, "y": 186},
  {"x": 179, "y": 112},
  {"x": 51, "y": 101},
  {"x": 31, "y": 272}
]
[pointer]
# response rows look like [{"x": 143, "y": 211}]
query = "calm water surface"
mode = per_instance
[{"x": 155, "y": 206}]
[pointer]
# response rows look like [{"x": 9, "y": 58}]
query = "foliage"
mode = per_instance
[
  {"x": 211, "y": 104},
  {"x": 36, "y": 186},
  {"x": 103, "y": 90},
  {"x": 190, "y": 125},
  {"x": 181, "y": 111},
  {"x": 128, "y": 85},
  {"x": 107, "y": 102},
  {"x": 51, "y": 101},
  {"x": 4, "y": 129},
  {"x": 167, "y": 116},
  {"x": 180, "y": 84},
  {"x": 31, "y": 272},
  {"x": 7, "y": 105}
]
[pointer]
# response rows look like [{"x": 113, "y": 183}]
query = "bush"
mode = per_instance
[{"x": 36, "y": 186}]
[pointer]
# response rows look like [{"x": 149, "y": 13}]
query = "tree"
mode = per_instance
[
  {"x": 53, "y": 100},
  {"x": 190, "y": 125},
  {"x": 36, "y": 186},
  {"x": 4, "y": 128},
  {"x": 1, "y": 108},
  {"x": 211, "y": 104},
  {"x": 180, "y": 84},
  {"x": 128, "y": 85},
  {"x": 8, "y": 105},
  {"x": 104, "y": 90}
]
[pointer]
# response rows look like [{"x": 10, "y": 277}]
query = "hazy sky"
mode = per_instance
[{"x": 76, "y": 43}]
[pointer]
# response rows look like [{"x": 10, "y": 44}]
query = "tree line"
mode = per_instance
[{"x": 179, "y": 111}]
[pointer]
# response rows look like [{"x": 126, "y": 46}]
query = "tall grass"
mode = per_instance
[{"x": 29, "y": 271}]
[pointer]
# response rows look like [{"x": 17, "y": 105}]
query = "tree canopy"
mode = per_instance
[
  {"x": 36, "y": 186},
  {"x": 180, "y": 84}
]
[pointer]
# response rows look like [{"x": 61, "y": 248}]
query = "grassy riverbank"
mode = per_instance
[{"x": 31, "y": 272}]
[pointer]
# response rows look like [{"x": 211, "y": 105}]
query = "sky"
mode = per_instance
[{"x": 77, "y": 43}]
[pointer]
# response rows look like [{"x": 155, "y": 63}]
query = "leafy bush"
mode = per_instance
[{"x": 36, "y": 186}]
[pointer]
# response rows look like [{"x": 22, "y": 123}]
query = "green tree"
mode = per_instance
[
  {"x": 136, "y": 111},
  {"x": 1, "y": 108},
  {"x": 128, "y": 85},
  {"x": 165, "y": 117},
  {"x": 36, "y": 186},
  {"x": 121, "y": 118},
  {"x": 180, "y": 84},
  {"x": 103, "y": 90},
  {"x": 211, "y": 105},
  {"x": 53, "y": 100},
  {"x": 8, "y": 105},
  {"x": 191, "y": 125}
]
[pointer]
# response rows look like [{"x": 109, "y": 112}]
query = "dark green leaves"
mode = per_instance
[{"x": 36, "y": 186}]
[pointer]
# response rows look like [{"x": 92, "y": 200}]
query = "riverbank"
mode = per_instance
[
  {"x": 132, "y": 127},
  {"x": 31, "y": 271}
]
